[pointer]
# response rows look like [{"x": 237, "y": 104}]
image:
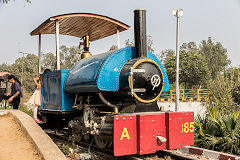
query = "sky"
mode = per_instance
[{"x": 218, "y": 19}]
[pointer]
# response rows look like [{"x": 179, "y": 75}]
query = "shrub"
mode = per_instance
[
  {"x": 218, "y": 130},
  {"x": 236, "y": 94}
]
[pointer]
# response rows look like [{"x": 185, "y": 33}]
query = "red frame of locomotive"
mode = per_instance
[{"x": 137, "y": 134}]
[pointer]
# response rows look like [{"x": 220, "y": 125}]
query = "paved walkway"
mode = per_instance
[
  {"x": 22, "y": 139},
  {"x": 13, "y": 143}
]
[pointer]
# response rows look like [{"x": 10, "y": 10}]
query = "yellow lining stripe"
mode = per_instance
[{"x": 129, "y": 81}]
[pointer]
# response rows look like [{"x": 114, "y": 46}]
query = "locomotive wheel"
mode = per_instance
[
  {"x": 77, "y": 135},
  {"x": 100, "y": 142}
]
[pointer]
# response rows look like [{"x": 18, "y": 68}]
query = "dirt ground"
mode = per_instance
[{"x": 14, "y": 145}]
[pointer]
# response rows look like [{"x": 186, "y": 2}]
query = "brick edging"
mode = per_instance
[{"x": 208, "y": 153}]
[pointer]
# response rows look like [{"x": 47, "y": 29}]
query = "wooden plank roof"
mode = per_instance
[{"x": 81, "y": 24}]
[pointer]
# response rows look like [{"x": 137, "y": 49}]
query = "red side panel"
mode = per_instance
[
  {"x": 180, "y": 129},
  {"x": 151, "y": 126},
  {"x": 137, "y": 134},
  {"x": 125, "y": 130}
]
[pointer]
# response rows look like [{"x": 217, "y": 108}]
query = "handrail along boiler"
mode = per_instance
[{"x": 111, "y": 98}]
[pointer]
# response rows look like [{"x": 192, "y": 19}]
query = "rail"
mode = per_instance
[{"x": 201, "y": 95}]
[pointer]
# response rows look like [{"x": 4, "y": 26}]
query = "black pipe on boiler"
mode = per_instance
[{"x": 140, "y": 32}]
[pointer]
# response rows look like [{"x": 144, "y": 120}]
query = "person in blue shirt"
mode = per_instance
[{"x": 16, "y": 92}]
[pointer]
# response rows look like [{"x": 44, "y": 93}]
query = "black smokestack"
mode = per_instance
[{"x": 140, "y": 32}]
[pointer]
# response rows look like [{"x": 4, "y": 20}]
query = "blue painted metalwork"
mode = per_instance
[
  {"x": 101, "y": 72},
  {"x": 108, "y": 79},
  {"x": 84, "y": 74},
  {"x": 67, "y": 99},
  {"x": 53, "y": 96},
  {"x": 166, "y": 81}
]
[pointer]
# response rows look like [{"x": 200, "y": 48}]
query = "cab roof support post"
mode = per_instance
[
  {"x": 39, "y": 54},
  {"x": 118, "y": 39},
  {"x": 57, "y": 44}
]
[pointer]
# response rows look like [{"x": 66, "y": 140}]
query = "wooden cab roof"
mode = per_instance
[{"x": 81, "y": 24}]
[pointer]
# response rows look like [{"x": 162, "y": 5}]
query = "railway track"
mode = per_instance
[{"x": 85, "y": 151}]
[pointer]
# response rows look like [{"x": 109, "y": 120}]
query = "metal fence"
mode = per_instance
[{"x": 186, "y": 95}]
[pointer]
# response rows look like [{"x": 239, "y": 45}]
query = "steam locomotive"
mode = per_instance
[{"x": 111, "y": 98}]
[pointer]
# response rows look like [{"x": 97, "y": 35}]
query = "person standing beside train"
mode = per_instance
[
  {"x": 15, "y": 95},
  {"x": 36, "y": 98}
]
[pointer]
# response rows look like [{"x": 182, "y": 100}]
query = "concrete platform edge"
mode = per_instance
[
  {"x": 47, "y": 149},
  {"x": 209, "y": 153}
]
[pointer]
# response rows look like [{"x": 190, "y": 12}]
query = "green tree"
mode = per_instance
[
  {"x": 69, "y": 56},
  {"x": 129, "y": 43},
  {"x": 4, "y": 67},
  {"x": 236, "y": 94},
  {"x": 6, "y": 1},
  {"x": 48, "y": 61},
  {"x": 113, "y": 48},
  {"x": 149, "y": 43},
  {"x": 165, "y": 54},
  {"x": 29, "y": 64},
  {"x": 233, "y": 73},
  {"x": 221, "y": 89},
  {"x": 189, "y": 47},
  {"x": 215, "y": 55},
  {"x": 225, "y": 87},
  {"x": 193, "y": 70},
  {"x": 30, "y": 71}
]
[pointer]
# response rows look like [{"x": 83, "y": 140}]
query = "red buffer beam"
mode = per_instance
[{"x": 149, "y": 132}]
